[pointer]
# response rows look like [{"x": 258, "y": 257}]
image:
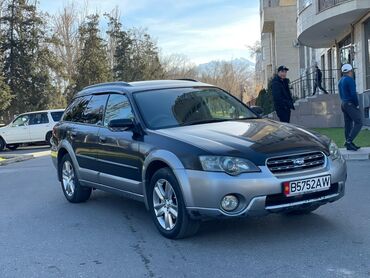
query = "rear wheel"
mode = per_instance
[
  {"x": 12, "y": 146},
  {"x": 167, "y": 206},
  {"x": 73, "y": 191},
  {"x": 2, "y": 144}
]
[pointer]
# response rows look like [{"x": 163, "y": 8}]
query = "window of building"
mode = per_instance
[
  {"x": 345, "y": 50},
  {"x": 302, "y": 4}
]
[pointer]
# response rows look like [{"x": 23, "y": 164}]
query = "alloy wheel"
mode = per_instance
[
  {"x": 165, "y": 204},
  {"x": 68, "y": 176}
]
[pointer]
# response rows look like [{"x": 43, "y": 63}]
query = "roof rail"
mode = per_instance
[
  {"x": 187, "y": 79},
  {"x": 115, "y": 83}
]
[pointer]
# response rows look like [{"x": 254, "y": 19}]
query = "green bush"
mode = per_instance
[{"x": 264, "y": 99}]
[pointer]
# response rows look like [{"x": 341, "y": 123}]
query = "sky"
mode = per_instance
[{"x": 203, "y": 30}]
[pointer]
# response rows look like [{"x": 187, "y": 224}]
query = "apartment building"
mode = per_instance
[
  {"x": 279, "y": 44},
  {"x": 329, "y": 33},
  {"x": 338, "y": 31}
]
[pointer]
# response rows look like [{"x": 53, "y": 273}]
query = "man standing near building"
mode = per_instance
[
  {"x": 281, "y": 94},
  {"x": 350, "y": 107},
  {"x": 318, "y": 81}
]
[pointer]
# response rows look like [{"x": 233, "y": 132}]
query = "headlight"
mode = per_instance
[
  {"x": 334, "y": 151},
  {"x": 230, "y": 165}
]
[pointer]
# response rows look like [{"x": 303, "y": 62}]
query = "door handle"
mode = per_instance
[{"x": 102, "y": 139}]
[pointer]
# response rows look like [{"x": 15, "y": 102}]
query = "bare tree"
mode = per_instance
[
  {"x": 114, "y": 17},
  {"x": 178, "y": 66},
  {"x": 66, "y": 43},
  {"x": 235, "y": 79}
]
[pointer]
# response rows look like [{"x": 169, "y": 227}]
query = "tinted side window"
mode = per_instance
[
  {"x": 93, "y": 113},
  {"x": 118, "y": 107},
  {"x": 38, "y": 119},
  {"x": 56, "y": 116},
  {"x": 74, "y": 111}
]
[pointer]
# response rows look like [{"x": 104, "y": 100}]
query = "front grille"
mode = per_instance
[
  {"x": 298, "y": 162},
  {"x": 281, "y": 199}
]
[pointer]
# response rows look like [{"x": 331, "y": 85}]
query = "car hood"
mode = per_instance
[{"x": 255, "y": 139}]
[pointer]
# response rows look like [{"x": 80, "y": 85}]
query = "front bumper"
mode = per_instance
[{"x": 259, "y": 193}]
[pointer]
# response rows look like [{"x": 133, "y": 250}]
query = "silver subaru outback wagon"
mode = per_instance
[{"x": 190, "y": 151}]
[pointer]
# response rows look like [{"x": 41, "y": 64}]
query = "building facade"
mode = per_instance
[
  {"x": 329, "y": 33},
  {"x": 338, "y": 32},
  {"x": 279, "y": 44}
]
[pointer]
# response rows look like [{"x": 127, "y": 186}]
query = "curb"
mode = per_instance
[
  {"x": 362, "y": 154},
  {"x": 15, "y": 158}
]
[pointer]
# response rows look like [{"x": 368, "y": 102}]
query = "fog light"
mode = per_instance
[{"x": 229, "y": 202}]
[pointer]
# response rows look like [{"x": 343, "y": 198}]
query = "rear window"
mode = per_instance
[
  {"x": 74, "y": 111},
  {"x": 56, "y": 116},
  {"x": 93, "y": 113}
]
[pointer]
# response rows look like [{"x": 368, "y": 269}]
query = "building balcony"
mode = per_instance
[
  {"x": 268, "y": 9},
  {"x": 321, "y": 23}
]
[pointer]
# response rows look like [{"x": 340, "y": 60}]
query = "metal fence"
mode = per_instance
[
  {"x": 305, "y": 85},
  {"x": 326, "y": 4}
]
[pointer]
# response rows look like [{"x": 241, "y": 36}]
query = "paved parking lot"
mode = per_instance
[{"x": 42, "y": 235}]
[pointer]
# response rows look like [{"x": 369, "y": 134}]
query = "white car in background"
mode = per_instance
[{"x": 31, "y": 127}]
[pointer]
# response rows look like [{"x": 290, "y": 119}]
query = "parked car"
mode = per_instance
[
  {"x": 31, "y": 127},
  {"x": 190, "y": 151}
]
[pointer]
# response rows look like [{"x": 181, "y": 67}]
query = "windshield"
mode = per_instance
[{"x": 187, "y": 106}]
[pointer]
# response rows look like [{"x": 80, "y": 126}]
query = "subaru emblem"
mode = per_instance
[{"x": 298, "y": 161}]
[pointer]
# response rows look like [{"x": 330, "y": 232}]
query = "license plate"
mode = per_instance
[{"x": 298, "y": 187}]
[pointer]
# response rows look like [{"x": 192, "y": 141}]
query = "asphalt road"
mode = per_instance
[
  {"x": 42, "y": 235},
  {"x": 26, "y": 149}
]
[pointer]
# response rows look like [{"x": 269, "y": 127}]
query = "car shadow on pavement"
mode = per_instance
[
  {"x": 274, "y": 227},
  {"x": 271, "y": 228}
]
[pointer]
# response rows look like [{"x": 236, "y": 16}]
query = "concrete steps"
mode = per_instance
[{"x": 318, "y": 111}]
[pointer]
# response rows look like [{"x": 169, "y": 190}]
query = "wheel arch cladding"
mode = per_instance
[{"x": 155, "y": 161}]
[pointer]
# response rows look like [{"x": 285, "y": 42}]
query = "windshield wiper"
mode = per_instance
[{"x": 203, "y": 122}]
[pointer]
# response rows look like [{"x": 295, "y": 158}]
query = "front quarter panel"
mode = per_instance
[{"x": 164, "y": 156}]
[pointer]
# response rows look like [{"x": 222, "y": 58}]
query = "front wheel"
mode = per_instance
[
  {"x": 73, "y": 191},
  {"x": 12, "y": 147},
  {"x": 2, "y": 144},
  {"x": 167, "y": 206}
]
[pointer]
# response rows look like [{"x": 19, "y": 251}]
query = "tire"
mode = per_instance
[
  {"x": 2, "y": 144},
  {"x": 164, "y": 206},
  {"x": 48, "y": 138},
  {"x": 12, "y": 147},
  {"x": 73, "y": 191},
  {"x": 303, "y": 210}
]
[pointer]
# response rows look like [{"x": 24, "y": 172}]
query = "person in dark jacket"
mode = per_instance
[
  {"x": 350, "y": 107},
  {"x": 318, "y": 81},
  {"x": 281, "y": 94}
]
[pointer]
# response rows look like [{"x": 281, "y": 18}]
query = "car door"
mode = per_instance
[
  {"x": 38, "y": 125},
  {"x": 18, "y": 130},
  {"x": 119, "y": 159},
  {"x": 83, "y": 134}
]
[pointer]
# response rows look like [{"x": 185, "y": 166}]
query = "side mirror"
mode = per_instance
[
  {"x": 258, "y": 110},
  {"x": 121, "y": 123}
]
